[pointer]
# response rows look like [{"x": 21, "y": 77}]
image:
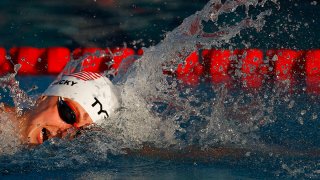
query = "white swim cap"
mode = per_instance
[{"x": 94, "y": 92}]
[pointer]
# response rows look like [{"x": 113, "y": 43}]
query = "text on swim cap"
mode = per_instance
[
  {"x": 65, "y": 82},
  {"x": 101, "y": 109}
]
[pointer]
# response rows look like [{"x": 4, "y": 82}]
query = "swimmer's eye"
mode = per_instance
[
  {"x": 66, "y": 111},
  {"x": 45, "y": 134}
]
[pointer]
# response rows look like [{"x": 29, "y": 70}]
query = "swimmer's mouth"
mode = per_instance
[
  {"x": 44, "y": 134},
  {"x": 71, "y": 133}
]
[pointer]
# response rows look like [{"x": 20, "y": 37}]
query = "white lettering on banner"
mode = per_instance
[{"x": 101, "y": 108}]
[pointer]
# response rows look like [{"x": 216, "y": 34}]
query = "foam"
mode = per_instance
[{"x": 145, "y": 84}]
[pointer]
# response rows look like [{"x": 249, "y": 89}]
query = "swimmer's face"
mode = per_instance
[{"x": 44, "y": 121}]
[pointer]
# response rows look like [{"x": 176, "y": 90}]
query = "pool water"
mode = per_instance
[
  {"x": 276, "y": 128},
  {"x": 95, "y": 154}
]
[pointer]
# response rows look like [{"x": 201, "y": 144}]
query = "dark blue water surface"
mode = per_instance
[
  {"x": 285, "y": 147},
  {"x": 59, "y": 160}
]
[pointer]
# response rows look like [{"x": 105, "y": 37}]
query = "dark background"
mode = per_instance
[
  {"x": 141, "y": 23},
  {"x": 104, "y": 23}
]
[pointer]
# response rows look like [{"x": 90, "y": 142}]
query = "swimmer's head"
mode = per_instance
[{"x": 94, "y": 92}]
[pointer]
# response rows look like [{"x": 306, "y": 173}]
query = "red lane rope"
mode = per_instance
[{"x": 252, "y": 66}]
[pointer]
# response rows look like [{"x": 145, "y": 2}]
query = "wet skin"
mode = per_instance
[{"x": 43, "y": 121}]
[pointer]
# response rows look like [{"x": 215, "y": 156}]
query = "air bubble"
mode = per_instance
[
  {"x": 303, "y": 112},
  {"x": 300, "y": 120},
  {"x": 291, "y": 104},
  {"x": 314, "y": 116}
]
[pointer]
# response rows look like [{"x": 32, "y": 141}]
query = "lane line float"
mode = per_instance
[{"x": 251, "y": 67}]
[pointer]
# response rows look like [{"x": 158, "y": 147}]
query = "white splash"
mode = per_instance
[{"x": 144, "y": 84}]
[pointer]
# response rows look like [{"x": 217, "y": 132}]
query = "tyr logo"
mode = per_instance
[{"x": 101, "y": 108}]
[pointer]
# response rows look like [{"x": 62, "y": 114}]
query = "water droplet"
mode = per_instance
[
  {"x": 270, "y": 68},
  {"x": 300, "y": 120},
  {"x": 275, "y": 58},
  {"x": 248, "y": 154},
  {"x": 291, "y": 104},
  {"x": 8, "y": 57},
  {"x": 314, "y": 116}
]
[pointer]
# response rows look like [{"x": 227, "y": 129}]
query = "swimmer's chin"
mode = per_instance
[
  {"x": 33, "y": 138},
  {"x": 31, "y": 134}
]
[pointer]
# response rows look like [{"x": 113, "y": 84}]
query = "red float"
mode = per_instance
[
  {"x": 5, "y": 65},
  {"x": 31, "y": 59},
  {"x": 312, "y": 59},
  {"x": 252, "y": 61},
  {"x": 216, "y": 66},
  {"x": 95, "y": 59},
  {"x": 284, "y": 62},
  {"x": 217, "y": 63},
  {"x": 140, "y": 52},
  {"x": 57, "y": 58},
  {"x": 190, "y": 72},
  {"x": 119, "y": 54}
]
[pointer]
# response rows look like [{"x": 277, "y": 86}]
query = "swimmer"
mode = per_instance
[
  {"x": 81, "y": 99},
  {"x": 78, "y": 100},
  {"x": 73, "y": 101}
]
